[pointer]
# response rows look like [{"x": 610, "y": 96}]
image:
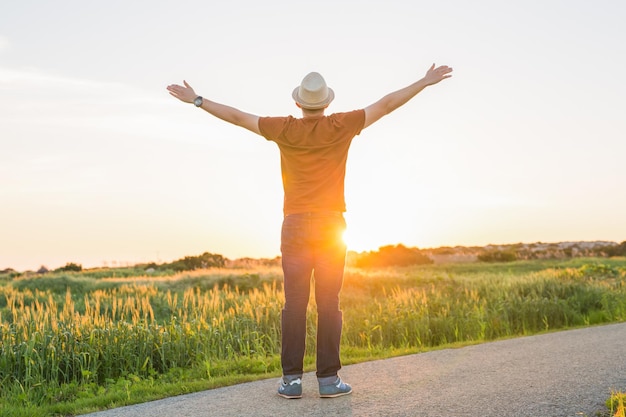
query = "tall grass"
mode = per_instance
[
  {"x": 117, "y": 334},
  {"x": 71, "y": 330},
  {"x": 429, "y": 308}
]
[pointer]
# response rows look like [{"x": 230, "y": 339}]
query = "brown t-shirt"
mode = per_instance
[{"x": 313, "y": 155}]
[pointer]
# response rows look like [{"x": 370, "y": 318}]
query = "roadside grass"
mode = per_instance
[
  {"x": 617, "y": 404},
  {"x": 72, "y": 343}
]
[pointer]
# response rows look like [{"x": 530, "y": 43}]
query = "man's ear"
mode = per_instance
[{"x": 298, "y": 104}]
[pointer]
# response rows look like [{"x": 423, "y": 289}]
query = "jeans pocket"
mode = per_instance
[{"x": 293, "y": 235}]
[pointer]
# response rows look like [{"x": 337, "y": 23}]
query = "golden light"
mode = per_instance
[{"x": 361, "y": 241}]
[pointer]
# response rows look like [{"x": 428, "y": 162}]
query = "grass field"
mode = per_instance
[{"x": 77, "y": 342}]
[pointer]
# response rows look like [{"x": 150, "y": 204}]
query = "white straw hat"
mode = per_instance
[{"x": 313, "y": 93}]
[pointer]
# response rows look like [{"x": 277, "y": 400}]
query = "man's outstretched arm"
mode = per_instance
[
  {"x": 396, "y": 99},
  {"x": 229, "y": 114}
]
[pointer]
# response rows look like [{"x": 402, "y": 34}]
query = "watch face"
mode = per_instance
[{"x": 198, "y": 101}]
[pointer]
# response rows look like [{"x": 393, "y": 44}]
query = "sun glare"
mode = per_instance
[{"x": 360, "y": 242}]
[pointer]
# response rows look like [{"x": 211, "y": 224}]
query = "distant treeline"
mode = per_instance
[
  {"x": 400, "y": 255},
  {"x": 188, "y": 263},
  {"x": 191, "y": 263},
  {"x": 393, "y": 255},
  {"x": 520, "y": 251}
]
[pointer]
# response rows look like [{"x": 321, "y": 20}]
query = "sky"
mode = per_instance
[{"x": 100, "y": 166}]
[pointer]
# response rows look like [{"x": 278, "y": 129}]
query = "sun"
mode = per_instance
[
  {"x": 359, "y": 241},
  {"x": 369, "y": 231}
]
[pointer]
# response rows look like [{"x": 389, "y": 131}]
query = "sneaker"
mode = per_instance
[
  {"x": 336, "y": 389},
  {"x": 291, "y": 389}
]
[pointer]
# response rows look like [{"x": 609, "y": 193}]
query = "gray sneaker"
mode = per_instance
[
  {"x": 336, "y": 389},
  {"x": 291, "y": 389}
]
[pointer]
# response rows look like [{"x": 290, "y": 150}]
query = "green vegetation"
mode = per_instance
[
  {"x": 70, "y": 267},
  {"x": 74, "y": 342},
  {"x": 191, "y": 263},
  {"x": 390, "y": 255},
  {"x": 617, "y": 404}
]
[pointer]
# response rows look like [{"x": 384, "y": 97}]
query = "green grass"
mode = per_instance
[
  {"x": 72, "y": 343},
  {"x": 617, "y": 404}
]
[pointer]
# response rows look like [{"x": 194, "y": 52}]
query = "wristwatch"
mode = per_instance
[{"x": 198, "y": 101}]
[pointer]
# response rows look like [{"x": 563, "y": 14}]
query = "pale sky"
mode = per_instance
[{"x": 100, "y": 166}]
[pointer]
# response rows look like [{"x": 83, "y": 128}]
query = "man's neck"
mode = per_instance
[{"x": 312, "y": 113}]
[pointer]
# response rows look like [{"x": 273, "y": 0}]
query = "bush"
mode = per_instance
[
  {"x": 619, "y": 250},
  {"x": 497, "y": 256},
  {"x": 190, "y": 263},
  {"x": 390, "y": 255},
  {"x": 70, "y": 267}
]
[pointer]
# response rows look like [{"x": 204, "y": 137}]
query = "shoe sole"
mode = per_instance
[
  {"x": 339, "y": 394},
  {"x": 290, "y": 397}
]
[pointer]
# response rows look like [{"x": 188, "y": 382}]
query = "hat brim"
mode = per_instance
[{"x": 313, "y": 106}]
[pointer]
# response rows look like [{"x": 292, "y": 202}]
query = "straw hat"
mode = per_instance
[{"x": 313, "y": 93}]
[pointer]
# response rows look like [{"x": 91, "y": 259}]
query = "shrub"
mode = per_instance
[
  {"x": 619, "y": 250},
  {"x": 497, "y": 256},
  {"x": 190, "y": 263},
  {"x": 390, "y": 255},
  {"x": 70, "y": 267}
]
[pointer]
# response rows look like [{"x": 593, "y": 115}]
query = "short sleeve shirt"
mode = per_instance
[{"x": 313, "y": 156}]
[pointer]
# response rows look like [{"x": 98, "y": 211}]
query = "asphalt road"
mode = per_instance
[{"x": 569, "y": 373}]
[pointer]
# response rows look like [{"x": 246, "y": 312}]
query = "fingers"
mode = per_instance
[
  {"x": 443, "y": 70},
  {"x": 174, "y": 89},
  {"x": 440, "y": 68},
  {"x": 178, "y": 88}
]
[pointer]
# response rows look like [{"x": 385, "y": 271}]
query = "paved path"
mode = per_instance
[{"x": 569, "y": 373}]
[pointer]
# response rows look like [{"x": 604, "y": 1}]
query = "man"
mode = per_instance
[{"x": 313, "y": 152}]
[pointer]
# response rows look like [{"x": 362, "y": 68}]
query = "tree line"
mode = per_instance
[
  {"x": 397, "y": 255},
  {"x": 519, "y": 252}
]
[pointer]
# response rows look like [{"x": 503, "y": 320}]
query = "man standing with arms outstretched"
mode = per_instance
[{"x": 313, "y": 154}]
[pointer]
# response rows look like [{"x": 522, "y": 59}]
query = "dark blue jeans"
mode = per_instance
[{"x": 312, "y": 246}]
